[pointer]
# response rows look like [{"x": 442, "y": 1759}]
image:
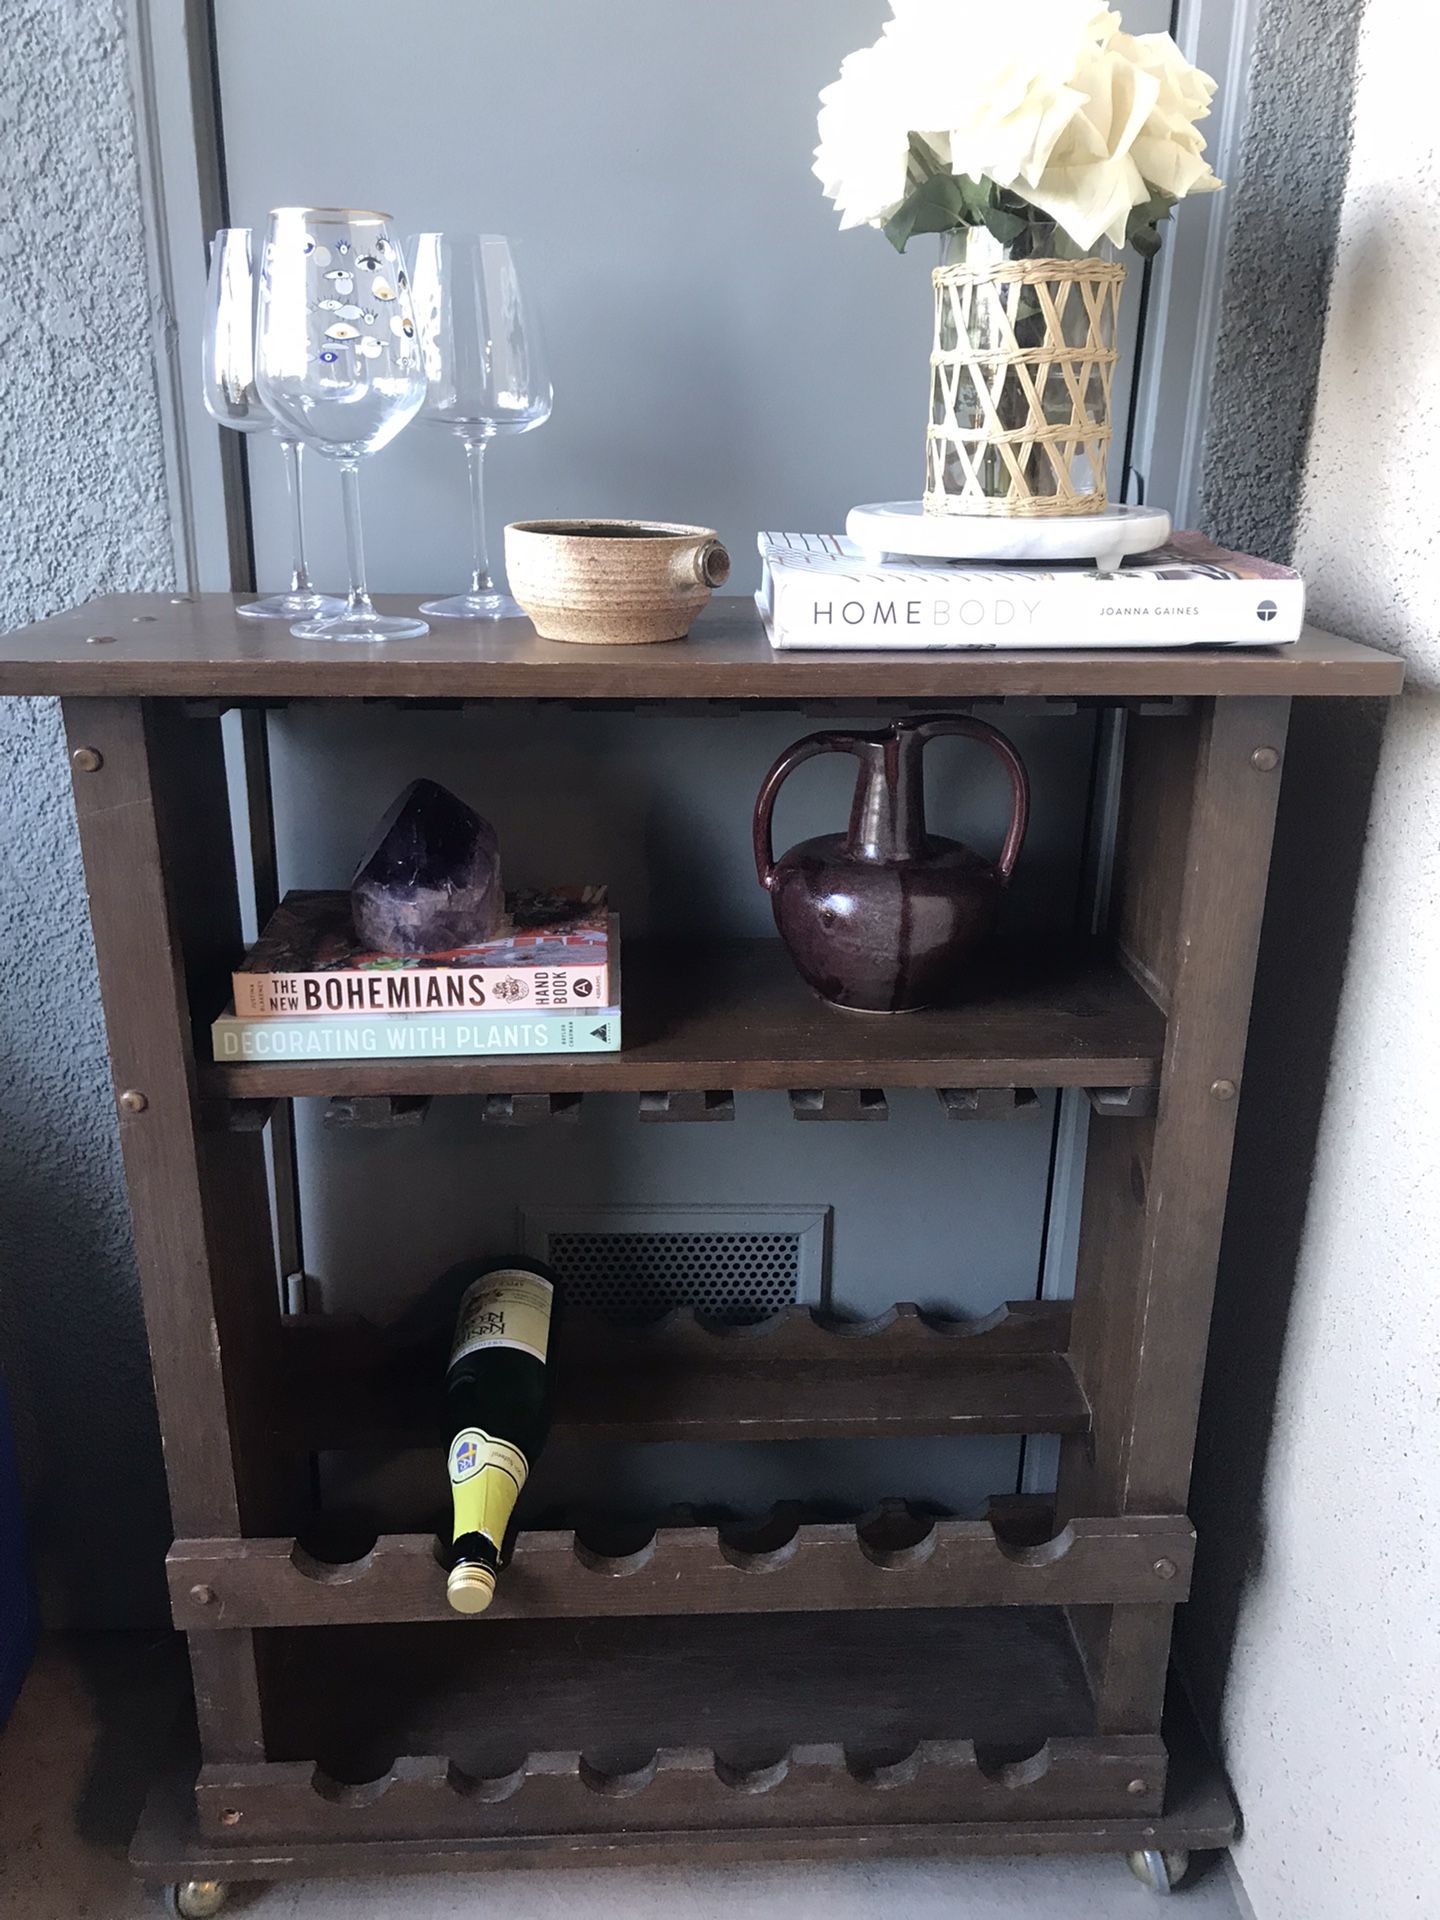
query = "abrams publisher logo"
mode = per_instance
[
  {"x": 1267, "y": 611},
  {"x": 925, "y": 612}
]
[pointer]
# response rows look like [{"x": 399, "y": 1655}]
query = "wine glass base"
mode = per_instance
[
  {"x": 474, "y": 606},
  {"x": 290, "y": 606},
  {"x": 361, "y": 627}
]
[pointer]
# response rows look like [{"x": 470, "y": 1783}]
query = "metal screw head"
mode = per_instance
[
  {"x": 230, "y": 1816},
  {"x": 203, "y": 1596},
  {"x": 1265, "y": 759},
  {"x": 1165, "y": 1568},
  {"x": 87, "y": 760},
  {"x": 133, "y": 1101},
  {"x": 1134, "y": 1786},
  {"x": 1223, "y": 1089},
  {"x": 99, "y": 639}
]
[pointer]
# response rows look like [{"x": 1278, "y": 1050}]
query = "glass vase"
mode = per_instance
[{"x": 1022, "y": 366}]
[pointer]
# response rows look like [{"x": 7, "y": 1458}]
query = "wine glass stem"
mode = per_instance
[
  {"x": 359, "y": 601},
  {"x": 299, "y": 572},
  {"x": 480, "y": 581}
]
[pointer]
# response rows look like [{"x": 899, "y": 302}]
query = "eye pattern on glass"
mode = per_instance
[{"x": 346, "y": 310}]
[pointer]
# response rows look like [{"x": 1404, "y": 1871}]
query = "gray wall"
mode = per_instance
[
  {"x": 83, "y": 512},
  {"x": 720, "y": 352}
]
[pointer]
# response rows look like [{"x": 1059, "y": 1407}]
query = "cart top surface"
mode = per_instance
[{"x": 195, "y": 647}]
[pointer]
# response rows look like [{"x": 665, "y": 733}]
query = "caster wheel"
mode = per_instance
[
  {"x": 1160, "y": 1872},
  {"x": 196, "y": 1899}
]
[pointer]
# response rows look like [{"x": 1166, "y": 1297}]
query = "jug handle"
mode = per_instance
[
  {"x": 806, "y": 749},
  {"x": 1019, "y": 781}
]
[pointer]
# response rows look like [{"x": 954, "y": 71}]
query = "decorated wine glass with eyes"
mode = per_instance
[
  {"x": 339, "y": 366},
  {"x": 232, "y": 400},
  {"x": 485, "y": 374}
]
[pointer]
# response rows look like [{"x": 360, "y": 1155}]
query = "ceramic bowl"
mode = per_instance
[{"x": 613, "y": 583}]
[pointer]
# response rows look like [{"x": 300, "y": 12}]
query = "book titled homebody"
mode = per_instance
[
  {"x": 415, "y": 1036},
  {"x": 818, "y": 591},
  {"x": 558, "y": 951}
]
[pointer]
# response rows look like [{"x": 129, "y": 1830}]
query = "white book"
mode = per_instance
[{"x": 818, "y": 591}]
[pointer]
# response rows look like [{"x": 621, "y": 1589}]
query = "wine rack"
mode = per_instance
[{"x": 903, "y": 1682}]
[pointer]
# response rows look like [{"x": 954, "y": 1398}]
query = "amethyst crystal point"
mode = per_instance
[{"x": 430, "y": 880}]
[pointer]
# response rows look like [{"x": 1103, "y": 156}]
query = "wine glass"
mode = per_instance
[
  {"x": 231, "y": 399},
  {"x": 339, "y": 365},
  {"x": 484, "y": 375}
]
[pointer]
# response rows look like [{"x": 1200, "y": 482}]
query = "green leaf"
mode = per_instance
[
  {"x": 1142, "y": 229},
  {"x": 938, "y": 205},
  {"x": 1005, "y": 226},
  {"x": 923, "y": 162}
]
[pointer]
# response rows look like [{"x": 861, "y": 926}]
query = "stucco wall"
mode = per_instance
[
  {"x": 1331, "y": 1714},
  {"x": 1281, "y": 207},
  {"x": 82, "y": 511}
]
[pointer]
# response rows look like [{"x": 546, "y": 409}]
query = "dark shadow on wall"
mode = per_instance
[
  {"x": 1331, "y": 762},
  {"x": 75, "y": 1355},
  {"x": 1284, "y": 219}
]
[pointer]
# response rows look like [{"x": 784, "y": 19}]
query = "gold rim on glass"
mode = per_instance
[{"x": 334, "y": 213}]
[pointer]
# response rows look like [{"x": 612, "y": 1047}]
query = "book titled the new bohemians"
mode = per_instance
[
  {"x": 820, "y": 592},
  {"x": 558, "y": 952}
]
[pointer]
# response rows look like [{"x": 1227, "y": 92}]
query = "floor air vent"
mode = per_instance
[{"x": 738, "y": 1264}]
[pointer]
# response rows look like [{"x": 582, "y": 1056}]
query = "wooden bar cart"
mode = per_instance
[{"x": 793, "y": 1687}]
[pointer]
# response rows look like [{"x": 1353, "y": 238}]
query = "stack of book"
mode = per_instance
[
  {"x": 550, "y": 983},
  {"x": 818, "y": 591}
]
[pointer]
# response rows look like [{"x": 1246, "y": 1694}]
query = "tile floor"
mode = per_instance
[{"x": 96, "y": 1712}]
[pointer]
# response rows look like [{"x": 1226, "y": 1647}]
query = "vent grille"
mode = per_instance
[{"x": 738, "y": 1265}]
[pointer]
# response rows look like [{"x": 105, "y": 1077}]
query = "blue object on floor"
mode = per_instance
[{"x": 17, "y": 1602}]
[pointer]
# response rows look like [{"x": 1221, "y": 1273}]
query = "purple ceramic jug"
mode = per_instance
[{"x": 883, "y": 917}]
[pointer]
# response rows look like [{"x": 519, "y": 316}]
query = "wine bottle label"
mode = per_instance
[
  {"x": 509, "y": 1308},
  {"x": 486, "y": 1476}
]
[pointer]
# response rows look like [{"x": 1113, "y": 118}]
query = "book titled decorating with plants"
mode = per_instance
[{"x": 548, "y": 983}]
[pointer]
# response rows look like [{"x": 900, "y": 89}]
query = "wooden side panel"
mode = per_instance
[
  {"x": 1155, "y": 804},
  {"x": 154, "y": 832},
  {"x": 1189, "y": 905}
]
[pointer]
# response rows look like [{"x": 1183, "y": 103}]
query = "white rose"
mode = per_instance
[
  {"x": 864, "y": 140},
  {"x": 1001, "y": 98},
  {"x": 1170, "y": 147},
  {"x": 1049, "y": 99},
  {"x": 1090, "y": 179}
]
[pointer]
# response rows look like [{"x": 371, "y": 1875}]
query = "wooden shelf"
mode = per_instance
[
  {"x": 638, "y": 1726},
  {"x": 746, "y": 1687},
  {"x": 429, "y": 1798},
  {"x": 344, "y": 1383},
  {"x": 1198, "y": 1814},
  {"x": 892, "y": 1559},
  {"x": 735, "y": 1014},
  {"x": 196, "y": 648}
]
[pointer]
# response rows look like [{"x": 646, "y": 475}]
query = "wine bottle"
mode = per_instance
[{"x": 497, "y": 1390}]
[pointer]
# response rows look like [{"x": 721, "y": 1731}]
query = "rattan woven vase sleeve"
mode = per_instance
[{"x": 1021, "y": 370}]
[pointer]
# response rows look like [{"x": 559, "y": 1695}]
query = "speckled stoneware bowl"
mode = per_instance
[{"x": 613, "y": 583}]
